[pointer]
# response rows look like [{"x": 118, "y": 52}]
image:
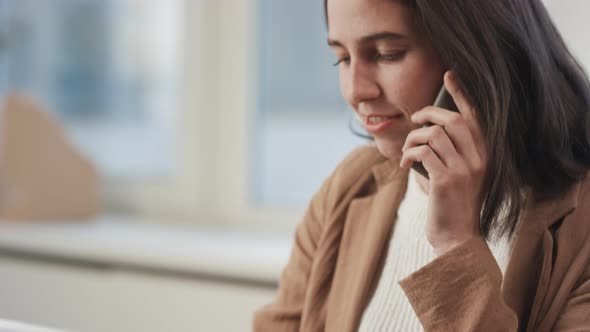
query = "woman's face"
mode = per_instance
[{"x": 386, "y": 69}]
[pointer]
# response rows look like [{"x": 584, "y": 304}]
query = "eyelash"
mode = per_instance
[
  {"x": 379, "y": 57},
  {"x": 340, "y": 61}
]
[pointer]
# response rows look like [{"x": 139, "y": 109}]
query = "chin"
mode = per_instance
[{"x": 390, "y": 149}]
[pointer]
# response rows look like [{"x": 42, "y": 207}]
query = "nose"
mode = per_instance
[{"x": 359, "y": 84}]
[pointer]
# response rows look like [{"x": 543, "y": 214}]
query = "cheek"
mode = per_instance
[
  {"x": 417, "y": 85},
  {"x": 405, "y": 92},
  {"x": 344, "y": 88}
]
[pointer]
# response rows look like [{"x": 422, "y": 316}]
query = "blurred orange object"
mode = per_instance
[{"x": 42, "y": 176}]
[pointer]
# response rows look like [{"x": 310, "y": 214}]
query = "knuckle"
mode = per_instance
[
  {"x": 479, "y": 168},
  {"x": 423, "y": 151},
  {"x": 411, "y": 135},
  {"x": 455, "y": 119},
  {"x": 408, "y": 143},
  {"x": 437, "y": 132},
  {"x": 480, "y": 164}
]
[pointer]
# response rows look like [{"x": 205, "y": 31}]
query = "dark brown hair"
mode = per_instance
[{"x": 531, "y": 95}]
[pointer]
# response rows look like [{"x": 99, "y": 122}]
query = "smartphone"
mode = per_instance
[{"x": 443, "y": 100}]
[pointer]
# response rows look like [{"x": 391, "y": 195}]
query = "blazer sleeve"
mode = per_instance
[
  {"x": 284, "y": 313},
  {"x": 448, "y": 297}
]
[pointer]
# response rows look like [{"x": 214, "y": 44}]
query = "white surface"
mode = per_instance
[
  {"x": 91, "y": 298},
  {"x": 111, "y": 300},
  {"x": 225, "y": 253},
  {"x": 10, "y": 326}
]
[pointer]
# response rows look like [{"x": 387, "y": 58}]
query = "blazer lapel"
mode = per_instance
[
  {"x": 365, "y": 236},
  {"x": 527, "y": 265},
  {"x": 527, "y": 275}
]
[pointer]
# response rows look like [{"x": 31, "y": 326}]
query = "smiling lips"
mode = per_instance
[{"x": 377, "y": 123}]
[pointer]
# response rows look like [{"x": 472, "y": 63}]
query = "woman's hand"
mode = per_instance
[{"x": 454, "y": 154}]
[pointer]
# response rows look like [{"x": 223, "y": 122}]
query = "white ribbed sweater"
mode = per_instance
[{"x": 389, "y": 308}]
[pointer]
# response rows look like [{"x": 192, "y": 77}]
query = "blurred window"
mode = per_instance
[
  {"x": 108, "y": 69},
  {"x": 302, "y": 120}
]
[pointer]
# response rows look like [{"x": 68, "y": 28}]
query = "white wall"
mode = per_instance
[{"x": 571, "y": 18}]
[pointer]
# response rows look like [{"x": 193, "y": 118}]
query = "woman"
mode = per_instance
[{"x": 496, "y": 237}]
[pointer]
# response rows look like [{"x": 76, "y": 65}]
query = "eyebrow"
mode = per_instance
[{"x": 372, "y": 38}]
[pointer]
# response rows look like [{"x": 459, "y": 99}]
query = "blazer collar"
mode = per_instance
[
  {"x": 527, "y": 275},
  {"x": 385, "y": 170},
  {"x": 363, "y": 246},
  {"x": 551, "y": 211}
]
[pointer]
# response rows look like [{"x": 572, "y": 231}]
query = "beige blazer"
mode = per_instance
[{"x": 340, "y": 245}]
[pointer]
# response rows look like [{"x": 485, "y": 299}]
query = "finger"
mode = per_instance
[
  {"x": 426, "y": 156},
  {"x": 436, "y": 137},
  {"x": 454, "y": 88},
  {"x": 466, "y": 108},
  {"x": 455, "y": 128}
]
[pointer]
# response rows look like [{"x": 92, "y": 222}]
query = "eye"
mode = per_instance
[
  {"x": 390, "y": 57},
  {"x": 341, "y": 60}
]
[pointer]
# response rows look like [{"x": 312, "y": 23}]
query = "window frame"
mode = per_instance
[{"x": 216, "y": 137}]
